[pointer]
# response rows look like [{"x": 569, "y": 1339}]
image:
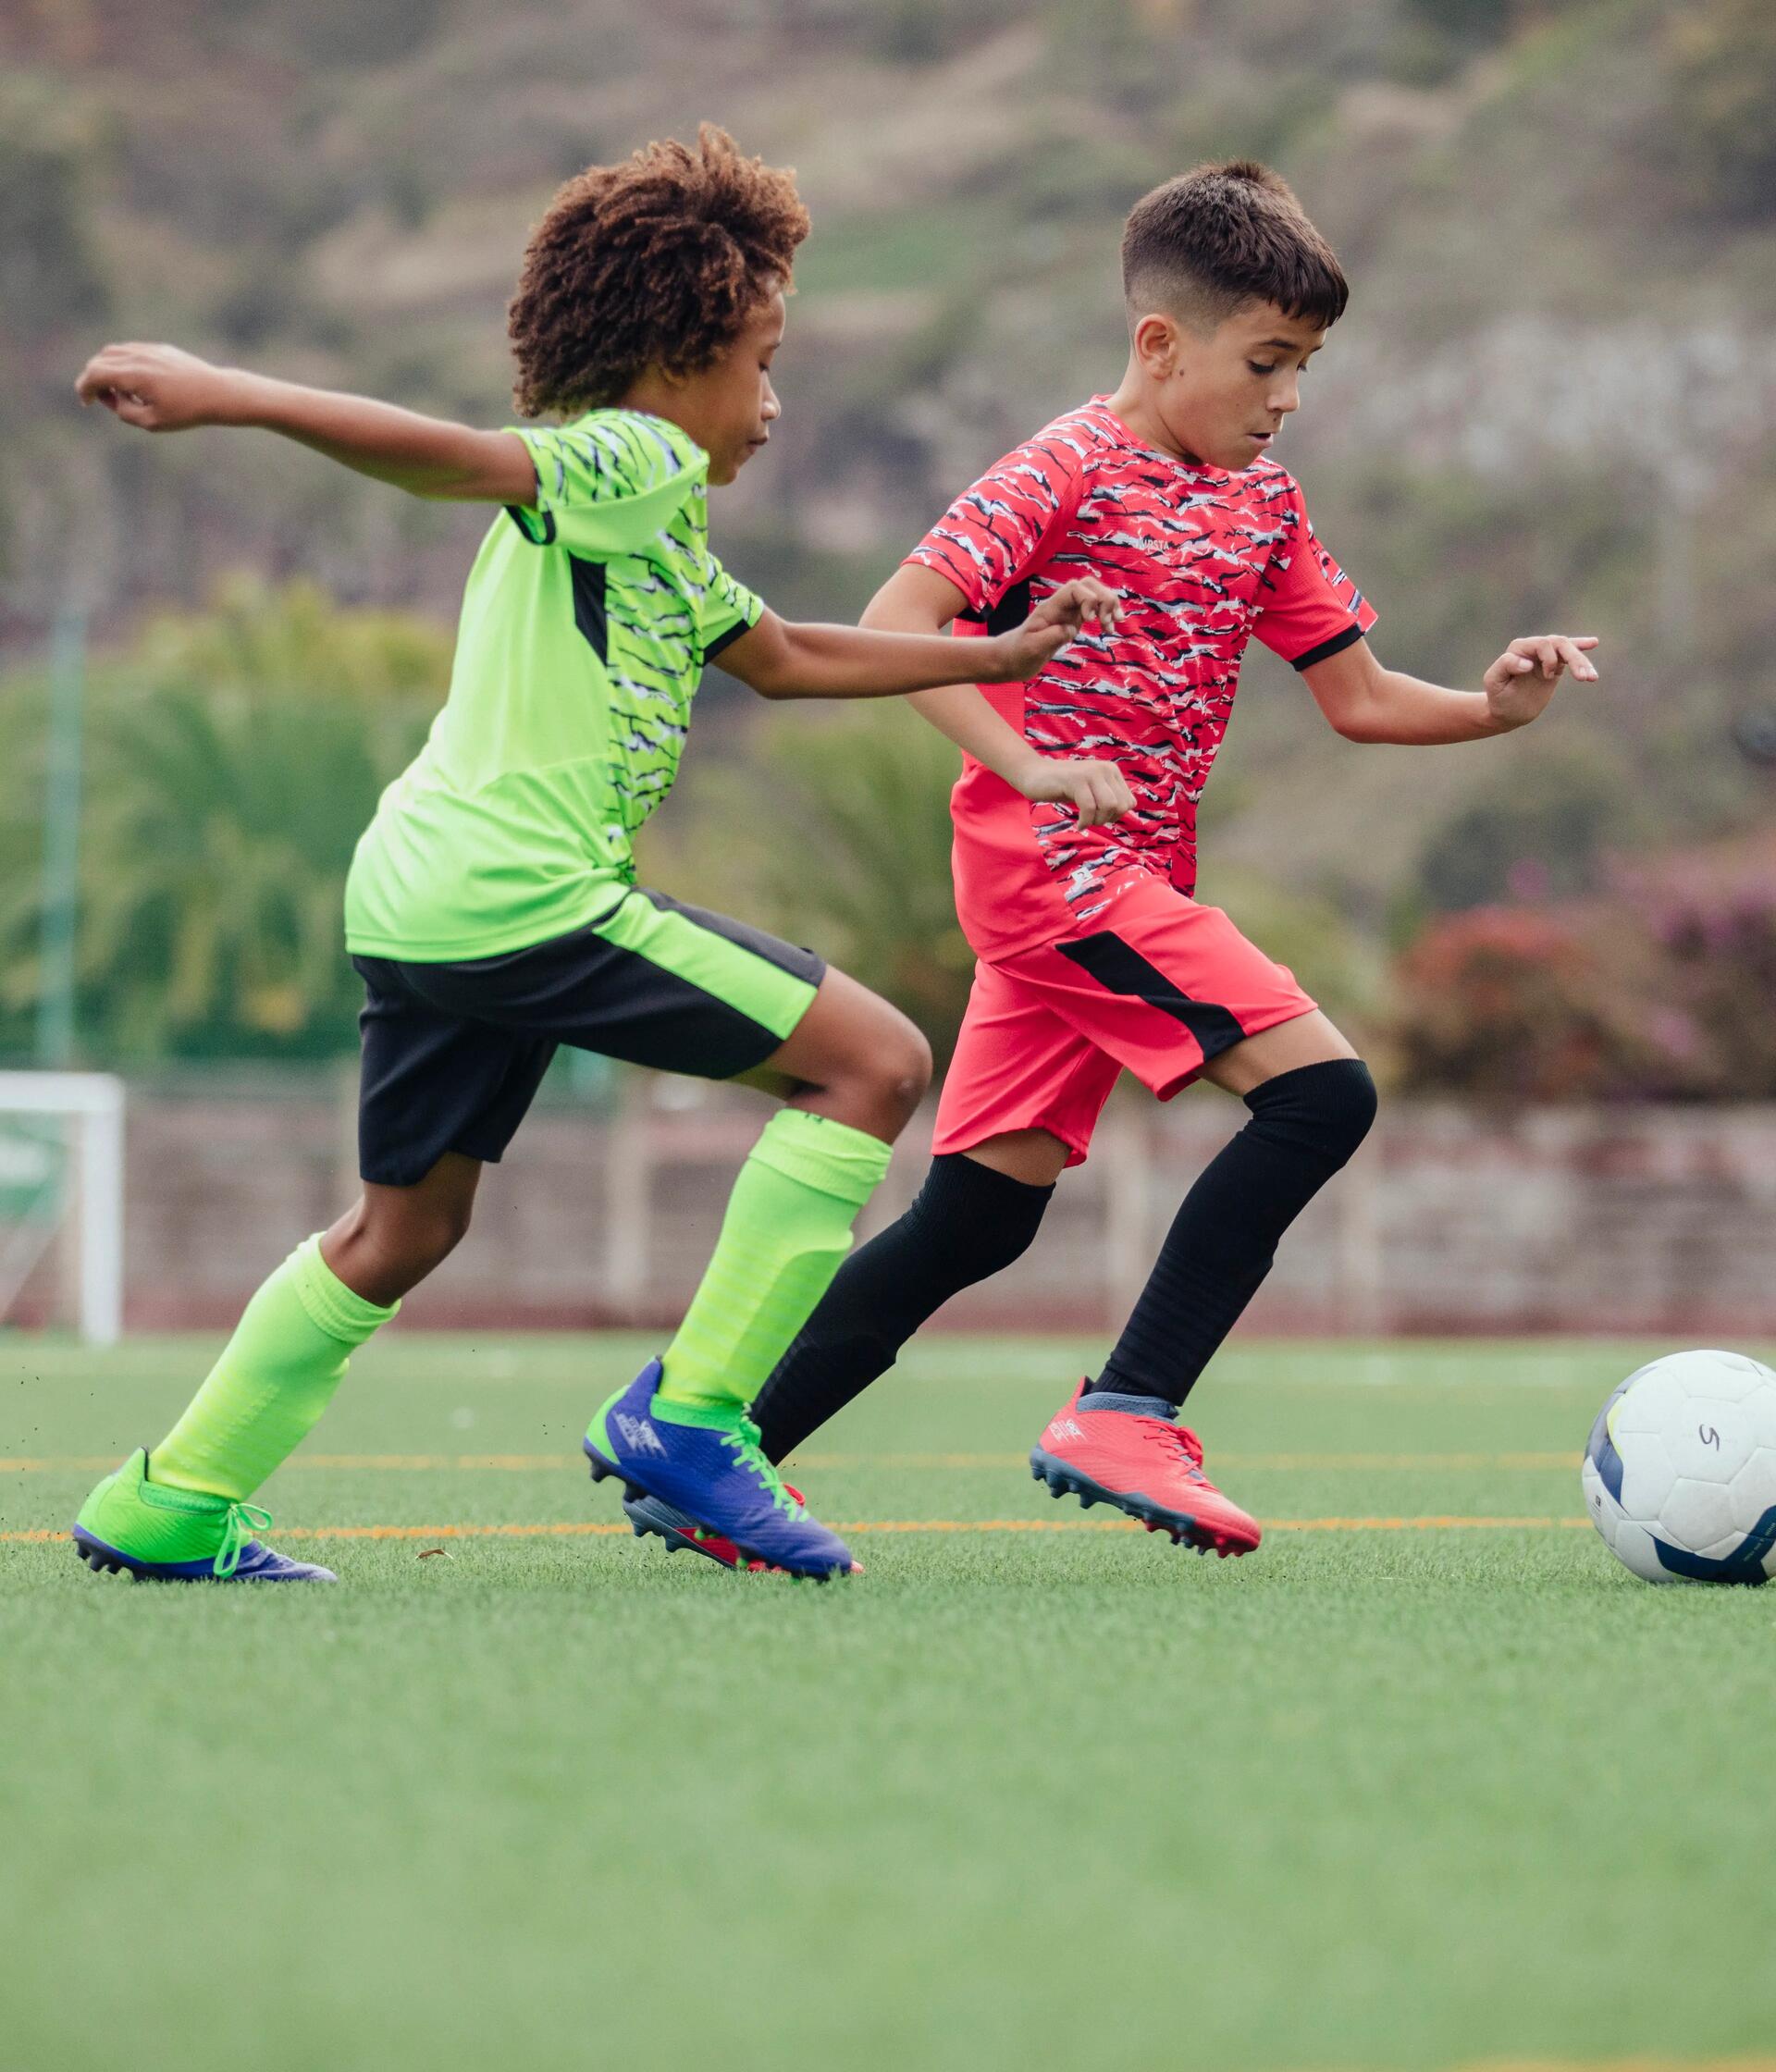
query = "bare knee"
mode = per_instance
[
  {"x": 902, "y": 1071},
  {"x": 899, "y": 1072},
  {"x": 392, "y": 1238},
  {"x": 877, "y": 1085}
]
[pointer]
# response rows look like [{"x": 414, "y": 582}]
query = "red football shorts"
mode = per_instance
[{"x": 1165, "y": 987}]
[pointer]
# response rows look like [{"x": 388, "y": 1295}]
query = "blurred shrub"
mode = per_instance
[
  {"x": 1432, "y": 39},
  {"x": 1710, "y": 1008},
  {"x": 328, "y": 32},
  {"x": 1722, "y": 105},
  {"x": 261, "y": 638},
  {"x": 1540, "y": 831},
  {"x": 1661, "y": 993},
  {"x": 1504, "y": 1004},
  {"x": 924, "y": 32},
  {"x": 51, "y": 272}
]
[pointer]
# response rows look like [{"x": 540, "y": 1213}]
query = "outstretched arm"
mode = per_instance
[
  {"x": 161, "y": 389},
  {"x": 782, "y": 660},
  {"x": 1367, "y": 702}
]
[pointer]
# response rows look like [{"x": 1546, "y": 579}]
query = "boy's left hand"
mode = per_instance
[
  {"x": 1016, "y": 656},
  {"x": 1521, "y": 681}
]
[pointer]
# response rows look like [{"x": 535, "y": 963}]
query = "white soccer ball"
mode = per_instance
[{"x": 1680, "y": 1470}]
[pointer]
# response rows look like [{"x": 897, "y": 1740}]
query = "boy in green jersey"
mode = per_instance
[{"x": 491, "y": 907}]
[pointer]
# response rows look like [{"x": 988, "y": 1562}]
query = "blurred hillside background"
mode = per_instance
[{"x": 1552, "y": 402}]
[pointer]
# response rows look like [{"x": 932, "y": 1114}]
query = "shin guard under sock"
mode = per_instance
[
  {"x": 276, "y": 1375},
  {"x": 787, "y": 1228},
  {"x": 1304, "y": 1126}
]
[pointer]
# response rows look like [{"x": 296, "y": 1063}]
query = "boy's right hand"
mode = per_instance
[
  {"x": 1098, "y": 791},
  {"x": 158, "y": 388},
  {"x": 1015, "y": 656}
]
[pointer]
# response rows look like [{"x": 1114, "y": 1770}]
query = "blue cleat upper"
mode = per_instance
[{"x": 715, "y": 1473}]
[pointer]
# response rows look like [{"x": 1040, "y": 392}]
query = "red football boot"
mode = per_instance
[
  {"x": 1147, "y": 1466},
  {"x": 649, "y": 1514}
]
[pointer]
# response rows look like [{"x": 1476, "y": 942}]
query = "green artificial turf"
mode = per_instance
[{"x": 1374, "y": 1797}]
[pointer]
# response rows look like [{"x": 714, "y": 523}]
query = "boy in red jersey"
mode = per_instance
[{"x": 1093, "y": 954}]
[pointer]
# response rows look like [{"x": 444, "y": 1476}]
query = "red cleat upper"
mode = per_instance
[{"x": 1147, "y": 1466}]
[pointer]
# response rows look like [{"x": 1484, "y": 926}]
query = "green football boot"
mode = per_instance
[{"x": 178, "y": 1535}]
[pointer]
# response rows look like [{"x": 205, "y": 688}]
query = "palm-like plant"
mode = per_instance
[
  {"x": 216, "y": 843},
  {"x": 232, "y": 763}
]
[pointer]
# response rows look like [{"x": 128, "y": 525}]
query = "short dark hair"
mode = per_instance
[
  {"x": 1225, "y": 234},
  {"x": 657, "y": 262}
]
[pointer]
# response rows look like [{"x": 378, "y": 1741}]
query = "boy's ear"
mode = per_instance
[{"x": 1155, "y": 342}]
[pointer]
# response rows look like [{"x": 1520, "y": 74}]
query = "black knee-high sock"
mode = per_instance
[
  {"x": 967, "y": 1223},
  {"x": 1305, "y": 1125}
]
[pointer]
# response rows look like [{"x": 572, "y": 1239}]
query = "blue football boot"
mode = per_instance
[
  {"x": 164, "y": 1534},
  {"x": 710, "y": 1473}
]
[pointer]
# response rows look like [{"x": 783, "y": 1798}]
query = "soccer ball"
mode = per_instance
[{"x": 1680, "y": 1471}]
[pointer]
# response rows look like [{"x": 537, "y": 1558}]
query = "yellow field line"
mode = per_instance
[
  {"x": 586, "y": 1529},
  {"x": 1626, "y": 2064},
  {"x": 539, "y": 1462}
]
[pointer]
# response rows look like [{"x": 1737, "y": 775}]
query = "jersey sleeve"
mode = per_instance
[
  {"x": 995, "y": 533},
  {"x": 726, "y": 610},
  {"x": 1308, "y": 608},
  {"x": 605, "y": 484}
]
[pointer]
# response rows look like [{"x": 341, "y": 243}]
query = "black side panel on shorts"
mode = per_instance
[
  {"x": 453, "y": 1053},
  {"x": 1119, "y": 967},
  {"x": 588, "y": 604}
]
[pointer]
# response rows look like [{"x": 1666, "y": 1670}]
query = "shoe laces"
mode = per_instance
[
  {"x": 1179, "y": 1438},
  {"x": 238, "y": 1525},
  {"x": 744, "y": 1442}
]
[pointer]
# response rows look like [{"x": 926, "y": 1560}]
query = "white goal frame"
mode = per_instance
[{"x": 93, "y": 1103}]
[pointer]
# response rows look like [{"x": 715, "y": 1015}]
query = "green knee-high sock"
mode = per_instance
[
  {"x": 276, "y": 1375},
  {"x": 787, "y": 1227}
]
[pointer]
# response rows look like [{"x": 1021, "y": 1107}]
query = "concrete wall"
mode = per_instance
[{"x": 1450, "y": 1220}]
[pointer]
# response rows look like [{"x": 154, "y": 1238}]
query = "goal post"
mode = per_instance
[{"x": 61, "y": 1181}]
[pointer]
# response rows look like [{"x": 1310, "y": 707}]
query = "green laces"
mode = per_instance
[
  {"x": 237, "y": 1526},
  {"x": 744, "y": 1440}
]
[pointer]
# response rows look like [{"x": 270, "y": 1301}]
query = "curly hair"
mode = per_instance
[
  {"x": 1226, "y": 234},
  {"x": 657, "y": 262}
]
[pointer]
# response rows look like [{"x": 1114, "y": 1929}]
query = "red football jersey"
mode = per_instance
[{"x": 1201, "y": 559}]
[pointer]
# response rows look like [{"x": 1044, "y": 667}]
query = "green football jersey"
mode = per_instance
[{"x": 586, "y": 623}]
